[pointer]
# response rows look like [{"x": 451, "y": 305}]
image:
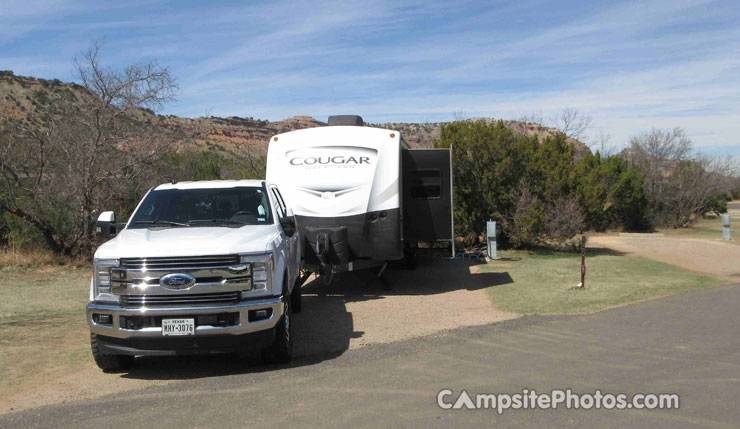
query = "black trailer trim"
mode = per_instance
[{"x": 427, "y": 195}]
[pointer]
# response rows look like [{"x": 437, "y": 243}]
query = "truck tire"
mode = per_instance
[
  {"x": 281, "y": 349},
  {"x": 409, "y": 257},
  {"x": 107, "y": 361},
  {"x": 296, "y": 297}
]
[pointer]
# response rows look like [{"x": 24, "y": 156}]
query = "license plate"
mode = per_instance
[{"x": 178, "y": 327}]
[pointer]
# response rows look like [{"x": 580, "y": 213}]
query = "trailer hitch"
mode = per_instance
[{"x": 322, "y": 248}]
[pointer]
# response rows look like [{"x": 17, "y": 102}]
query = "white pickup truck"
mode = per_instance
[{"x": 200, "y": 267}]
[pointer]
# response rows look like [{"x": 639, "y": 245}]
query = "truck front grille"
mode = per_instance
[
  {"x": 180, "y": 262},
  {"x": 190, "y": 299}
]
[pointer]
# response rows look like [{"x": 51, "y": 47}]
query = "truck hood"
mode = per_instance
[{"x": 181, "y": 241}]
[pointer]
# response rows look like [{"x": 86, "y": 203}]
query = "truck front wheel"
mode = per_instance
[
  {"x": 296, "y": 297},
  {"x": 107, "y": 361},
  {"x": 281, "y": 349}
]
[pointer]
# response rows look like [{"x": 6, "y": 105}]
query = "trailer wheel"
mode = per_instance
[
  {"x": 107, "y": 361},
  {"x": 281, "y": 349}
]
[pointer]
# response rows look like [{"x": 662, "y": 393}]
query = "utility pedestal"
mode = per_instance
[
  {"x": 491, "y": 239},
  {"x": 726, "y": 227}
]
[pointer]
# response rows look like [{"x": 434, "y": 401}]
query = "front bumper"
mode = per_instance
[
  {"x": 186, "y": 345},
  {"x": 115, "y": 330}
]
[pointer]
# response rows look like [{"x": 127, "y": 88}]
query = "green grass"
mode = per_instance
[
  {"x": 541, "y": 282},
  {"x": 43, "y": 332},
  {"x": 708, "y": 228}
]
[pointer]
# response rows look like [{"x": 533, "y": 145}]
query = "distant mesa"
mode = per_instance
[{"x": 21, "y": 96}]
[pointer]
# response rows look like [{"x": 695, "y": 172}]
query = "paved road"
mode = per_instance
[{"x": 688, "y": 344}]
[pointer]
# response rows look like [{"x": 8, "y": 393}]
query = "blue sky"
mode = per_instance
[{"x": 630, "y": 65}]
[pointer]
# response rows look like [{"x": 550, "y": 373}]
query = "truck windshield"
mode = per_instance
[{"x": 229, "y": 207}]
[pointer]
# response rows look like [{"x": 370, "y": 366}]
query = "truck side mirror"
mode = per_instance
[
  {"x": 105, "y": 227},
  {"x": 288, "y": 222}
]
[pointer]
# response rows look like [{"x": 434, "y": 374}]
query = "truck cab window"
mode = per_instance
[{"x": 231, "y": 207}]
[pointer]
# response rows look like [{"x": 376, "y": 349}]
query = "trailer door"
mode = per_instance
[{"x": 427, "y": 195}]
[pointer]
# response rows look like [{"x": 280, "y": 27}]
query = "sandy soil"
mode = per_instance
[{"x": 354, "y": 312}]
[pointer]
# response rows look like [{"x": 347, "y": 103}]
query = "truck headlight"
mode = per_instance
[
  {"x": 263, "y": 267},
  {"x": 102, "y": 279}
]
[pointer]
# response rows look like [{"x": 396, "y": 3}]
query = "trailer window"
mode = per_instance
[{"x": 426, "y": 184}]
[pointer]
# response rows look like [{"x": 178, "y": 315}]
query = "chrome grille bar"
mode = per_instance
[
  {"x": 180, "y": 262},
  {"x": 203, "y": 298}
]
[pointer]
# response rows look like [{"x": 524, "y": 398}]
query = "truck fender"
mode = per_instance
[
  {"x": 277, "y": 247},
  {"x": 281, "y": 273}
]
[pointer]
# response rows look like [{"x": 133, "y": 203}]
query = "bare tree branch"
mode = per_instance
[
  {"x": 572, "y": 123},
  {"x": 139, "y": 85},
  {"x": 459, "y": 116},
  {"x": 59, "y": 166},
  {"x": 679, "y": 182}
]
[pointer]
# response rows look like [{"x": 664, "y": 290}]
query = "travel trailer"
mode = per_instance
[{"x": 360, "y": 195}]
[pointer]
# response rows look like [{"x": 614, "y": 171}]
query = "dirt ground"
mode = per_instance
[
  {"x": 358, "y": 310},
  {"x": 354, "y": 312},
  {"x": 704, "y": 256},
  {"x": 710, "y": 256}
]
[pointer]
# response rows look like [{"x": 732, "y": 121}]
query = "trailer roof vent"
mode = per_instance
[{"x": 346, "y": 120}]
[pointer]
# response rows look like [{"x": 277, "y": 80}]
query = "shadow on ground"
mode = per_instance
[
  {"x": 324, "y": 328},
  {"x": 590, "y": 251},
  {"x": 603, "y": 251},
  {"x": 431, "y": 276}
]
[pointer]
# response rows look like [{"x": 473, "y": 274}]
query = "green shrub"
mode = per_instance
[
  {"x": 717, "y": 205},
  {"x": 536, "y": 190},
  {"x": 612, "y": 193}
]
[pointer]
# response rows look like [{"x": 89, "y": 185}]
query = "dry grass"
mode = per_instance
[
  {"x": 19, "y": 257},
  {"x": 43, "y": 332}
]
